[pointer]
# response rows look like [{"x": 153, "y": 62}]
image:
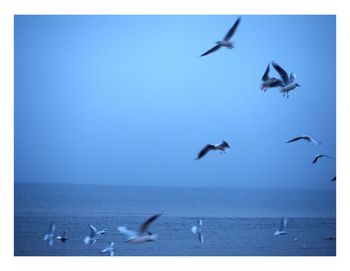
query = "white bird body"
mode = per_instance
[
  {"x": 289, "y": 87},
  {"x": 225, "y": 43},
  {"x": 142, "y": 235}
]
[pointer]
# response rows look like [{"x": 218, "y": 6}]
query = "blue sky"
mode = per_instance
[{"x": 128, "y": 100}]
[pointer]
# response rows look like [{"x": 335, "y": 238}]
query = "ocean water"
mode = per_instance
[{"x": 235, "y": 222}]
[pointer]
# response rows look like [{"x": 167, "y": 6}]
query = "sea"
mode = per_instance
[{"x": 236, "y": 222}]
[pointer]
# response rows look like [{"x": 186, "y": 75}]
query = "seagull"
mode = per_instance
[
  {"x": 307, "y": 138},
  {"x": 63, "y": 236},
  {"x": 94, "y": 235},
  {"x": 226, "y": 40},
  {"x": 223, "y": 146},
  {"x": 142, "y": 235},
  {"x": 334, "y": 179},
  {"x": 281, "y": 230},
  {"x": 109, "y": 249},
  {"x": 319, "y": 156},
  {"x": 198, "y": 229},
  {"x": 288, "y": 81},
  {"x": 270, "y": 82},
  {"x": 50, "y": 236}
]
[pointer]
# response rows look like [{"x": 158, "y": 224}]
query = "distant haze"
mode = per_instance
[{"x": 127, "y": 100}]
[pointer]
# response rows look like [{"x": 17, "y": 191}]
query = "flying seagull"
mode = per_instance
[
  {"x": 49, "y": 237},
  {"x": 94, "y": 235},
  {"x": 223, "y": 146},
  {"x": 319, "y": 156},
  {"x": 226, "y": 40},
  {"x": 307, "y": 138},
  {"x": 142, "y": 235},
  {"x": 109, "y": 249},
  {"x": 281, "y": 230},
  {"x": 63, "y": 236},
  {"x": 270, "y": 82},
  {"x": 197, "y": 229},
  {"x": 288, "y": 81}
]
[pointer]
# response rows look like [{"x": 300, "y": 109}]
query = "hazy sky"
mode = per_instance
[{"x": 128, "y": 100}]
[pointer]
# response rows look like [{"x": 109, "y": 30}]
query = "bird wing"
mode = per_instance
[
  {"x": 315, "y": 159},
  {"x": 215, "y": 48},
  {"x": 52, "y": 227},
  {"x": 126, "y": 232},
  {"x": 146, "y": 224},
  {"x": 233, "y": 29},
  {"x": 281, "y": 72},
  {"x": 316, "y": 142},
  {"x": 283, "y": 224},
  {"x": 334, "y": 179},
  {"x": 325, "y": 155},
  {"x": 205, "y": 150},
  {"x": 295, "y": 139},
  {"x": 93, "y": 230},
  {"x": 200, "y": 222},
  {"x": 200, "y": 237},
  {"x": 266, "y": 73}
]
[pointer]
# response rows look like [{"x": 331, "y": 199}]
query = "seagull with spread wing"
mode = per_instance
[
  {"x": 197, "y": 229},
  {"x": 94, "y": 235},
  {"x": 109, "y": 249},
  {"x": 288, "y": 81},
  {"x": 281, "y": 230},
  {"x": 270, "y": 82},
  {"x": 320, "y": 156},
  {"x": 223, "y": 147},
  {"x": 225, "y": 42},
  {"x": 49, "y": 237},
  {"x": 305, "y": 137},
  {"x": 143, "y": 235}
]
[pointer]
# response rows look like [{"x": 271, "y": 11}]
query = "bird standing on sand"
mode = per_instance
[
  {"x": 307, "y": 138},
  {"x": 281, "y": 230},
  {"x": 221, "y": 147},
  {"x": 226, "y": 40},
  {"x": 320, "y": 156},
  {"x": 197, "y": 229},
  {"x": 142, "y": 235},
  {"x": 270, "y": 82},
  {"x": 94, "y": 235},
  {"x": 288, "y": 81}
]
